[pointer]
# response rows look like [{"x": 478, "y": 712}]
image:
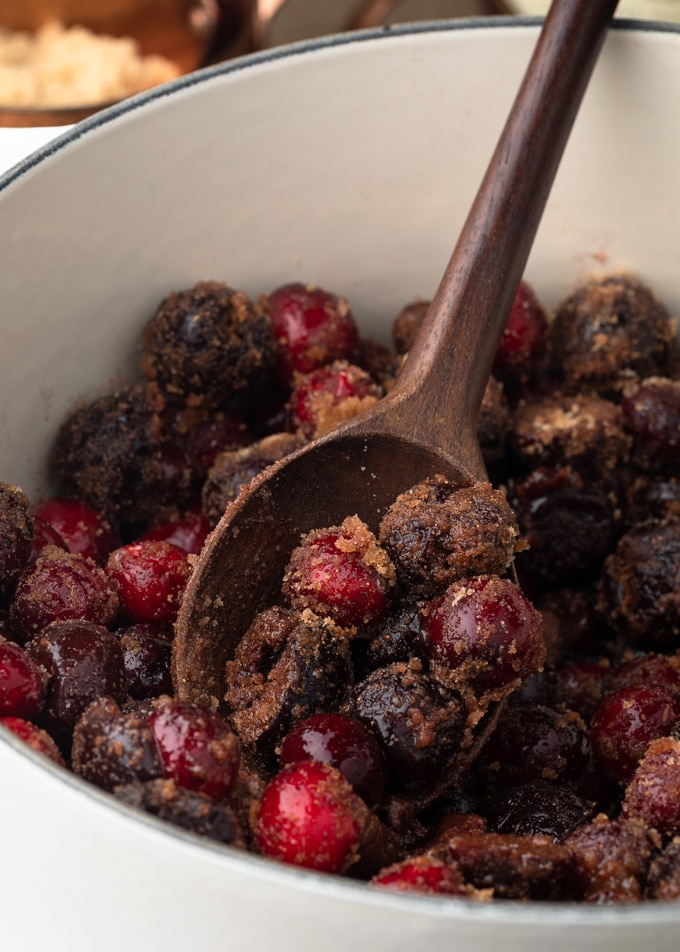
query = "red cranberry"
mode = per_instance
[
  {"x": 344, "y": 743},
  {"x": 43, "y": 535},
  {"x": 199, "y": 750},
  {"x": 524, "y": 340},
  {"x": 652, "y": 414},
  {"x": 61, "y": 586},
  {"x": 422, "y": 874},
  {"x": 81, "y": 527},
  {"x": 306, "y": 817},
  {"x": 36, "y": 738},
  {"x": 312, "y": 326},
  {"x": 84, "y": 662},
  {"x": 653, "y": 793},
  {"x": 486, "y": 632},
  {"x": 626, "y": 721},
  {"x": 187, "y": 533},
  {"x": 650, "y": 669},
  {"x": 328, "y": 396},
  {"x": 147, "y": 654},
  {"x": 16, "y": 534},
  {"x": 22, "y": 692},
  {"x": 341, "y": 573},
  {"x": 150, "y": 578}
]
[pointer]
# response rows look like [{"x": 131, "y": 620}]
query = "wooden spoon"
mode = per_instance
[{"x": 427, "y": 424}]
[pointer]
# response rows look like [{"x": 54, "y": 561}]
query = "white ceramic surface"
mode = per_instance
[
  {"x": 661, "y": 10},
  {"x": 350, "y": 162}
]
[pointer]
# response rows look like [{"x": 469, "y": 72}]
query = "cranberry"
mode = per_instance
[
  {"x": 328, "y": 396},
  {"x": 306, "y": 818},
  {"x": 610, "y": 858},
  {"x": 485, "y": 632},
  {"x": 147, "y": 654},
  {"x": 422, "y": 874},
  {"x": 36, "y": 738},
  {"x": 43, "y": 535},
  {"x": 187, "y": 533},
  {"x": 200, "y": 436},
  {"x": 626, "y": 721},
  {"x": 61, "y": 586},
  {"x": 199, "y": 750},
  {"x": 533, "y": 742},
  {"x": 84, "y": 662},
  {"x": 649, "y": 669},
  {"x": 344, "y": 743},
  {"x": 16, "y": 534},
  {"x": 653, "y": 793},
  {"x": 81, "y": 527},
  {"x": 524, "y": 340},
  {"x": 312, "y": 326},
  {"x": 22, "y": 692},
  {"x": 150, "y": 578},
  {"x": 652, "y": 414},
  {"x": 342, "y": 573}
]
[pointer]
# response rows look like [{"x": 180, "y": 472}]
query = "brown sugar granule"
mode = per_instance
[
  {"x": 436, "y": 533},
  {"x": 663, "y": 881},
  {"x": 208, "y": 342},
  {"x": 16, "y": 534},
  {"x": 609, "y": 332}
]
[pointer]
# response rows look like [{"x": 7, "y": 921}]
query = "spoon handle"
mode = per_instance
[{"x": 446, "y": 372}]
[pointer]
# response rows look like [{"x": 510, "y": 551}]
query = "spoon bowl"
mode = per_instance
[{"x": 428, "y": 421}]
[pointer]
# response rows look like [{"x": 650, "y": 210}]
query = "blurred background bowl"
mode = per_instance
[{"x": 350, "y": 162}]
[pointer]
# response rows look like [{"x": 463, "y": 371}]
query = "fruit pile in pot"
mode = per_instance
[{"x": 480, "y": 699}]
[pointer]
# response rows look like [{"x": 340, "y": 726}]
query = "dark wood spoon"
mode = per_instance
[{"x": 427, "y": 424}]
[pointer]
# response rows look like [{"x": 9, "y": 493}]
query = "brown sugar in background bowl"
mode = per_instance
[{"x": 257, "y": 172}]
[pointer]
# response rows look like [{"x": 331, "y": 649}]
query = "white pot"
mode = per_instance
[{"x": 349, "y": 162}]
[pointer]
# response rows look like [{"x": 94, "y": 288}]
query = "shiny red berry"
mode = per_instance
[
  {"x": 187, "y": 533},
  {"x": 36, "y": 738},
  {"x": 22, "y": 692},
  {"x": 150, "y": 578},
  {"x": 422, "y": 874},
  {"x": 81, "y": 527},
  {"x": 524, "y": 339}
]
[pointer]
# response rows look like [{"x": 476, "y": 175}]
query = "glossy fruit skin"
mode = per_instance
[
  {"x": 524, "y": 340},
  {"x": 81, "y": 527},
  {"x": 422, "y": 874},
  {"x": 487, "y": 631},
  {"x": 626, "y": 721},
  {"x": 22, "y": 692},
  {"x": 305, "y": 818},
  {"x": 147, "y": 652},
  {"x": 312, "y": 326},
  {"x": 328, "y": 396},
  {"x": 344, "y": 743},
  {"x": 199, "y": 750},
  {"x": 653, "y": 792},
  {"x": 187, "y": 533},
  {"x": 652, "y": 413},
  {"x": 150, "y": 578},
  {"x": 36, "y": 738}
]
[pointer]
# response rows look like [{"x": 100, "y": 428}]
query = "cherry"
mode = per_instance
[
  {"x": 150, "y": 578},
  {"x": 626, "y": 721},
  {"x": 43, "y": 535},
  {"x": 312, "y": 326},
  {"x": 649, "y": 669},
  {"x": 187, "y": 533},
  {"x": 199, "y": 750},
  {"x": 22, "y": 691},
  {"x": 580, "y": 686},
  {"x": 485, "y": 632},
  {"x": 422, "y": 874},
  {"x": 61, "y": 586},
  {"x": 306, "y": 817},
  {"x": 653, "y": 793},
  {"x": 147, "y": 653},
  {"x": 36, "y": 738},
  {"x": 539, "y": 809},
  {"x": 342, "y": 573},
  {"x": 652, "y": 415},
  {"x": 344, "y": 743},
  {"x": 328, "y": 396},
  {"x": 81, "y": 527},
  {"x": 524, "y": 340}
]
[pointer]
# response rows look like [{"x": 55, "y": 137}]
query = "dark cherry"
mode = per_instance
[
  {"x": 626, "y": 721},
  {"x": 652, "y": 415},
  {"x": 150, "y": 578},
  {"x": 84, "y": 662},
  {"x": 422, "y": 874},
  {"x": 36, "y": 737},
  {"x": 312, "y": 326},
  {"x": 532, "y": 742},
  {"x": 539, "y": 809},
  {"x": 328, "y": 396},
  {"x": 111, "y": 748},
  {"x": 524, "y": 340},
  {"x": 610, "y": 859},
  {"x": 485, "y": 632},
  {"x": 198, "y": 748},
  {"x": 653, "y": 793},
  {"x": 187, "y": 533},
  {"x": 344, "y": 743},
  {"x": 307, "y": 817},
  {"x": 147, "y": 652},
  {"x": 650, "y": 669},
  {"x": 61, "y": 586},
  {"x": 16, "y": 534},
  {"x": 579, "y": 686},
  {"x": 342, "y": 573},
  {"x": 43, "y": 535},
  {"x": 22, "y": 689},
  {"x": 81, "y": 527}
]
